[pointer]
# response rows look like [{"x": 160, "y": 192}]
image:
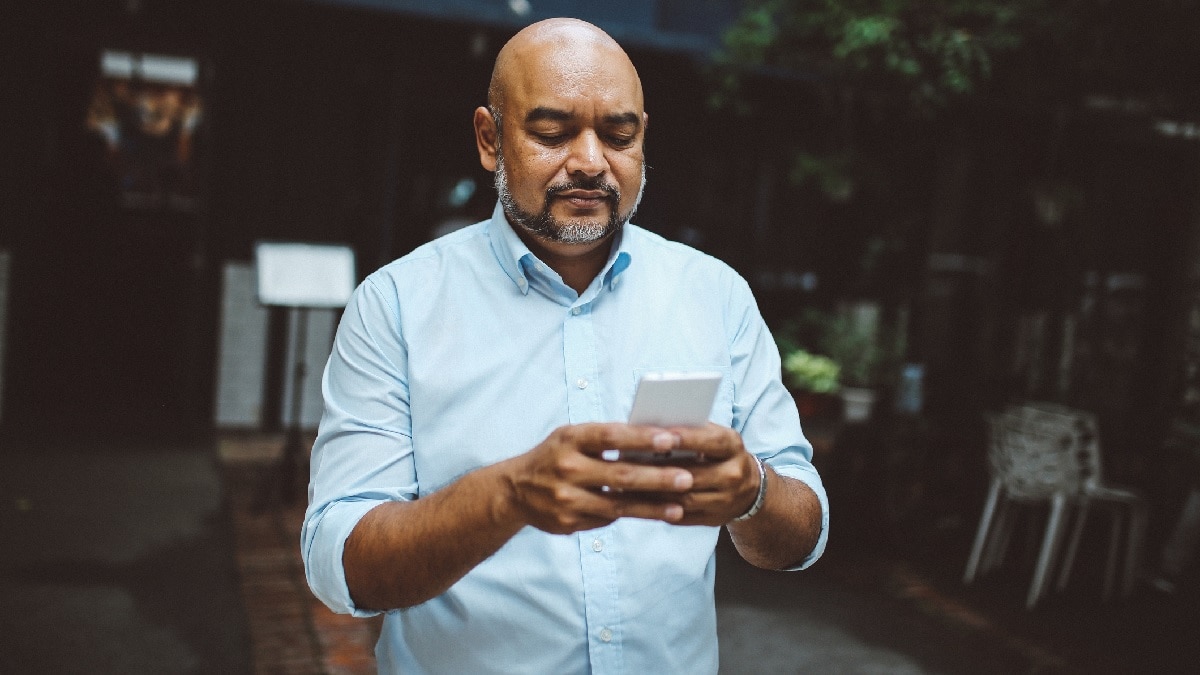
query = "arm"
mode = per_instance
[
  {"x": 786, "y": 529},
  {"x": 791, "y": 507},
  {"x": 403, "y": 553}
]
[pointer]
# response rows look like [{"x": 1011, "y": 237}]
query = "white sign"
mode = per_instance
[{"x": 304, "y": 275}]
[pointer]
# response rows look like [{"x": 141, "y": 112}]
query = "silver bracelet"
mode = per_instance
[{"x": 762, "y": 492}]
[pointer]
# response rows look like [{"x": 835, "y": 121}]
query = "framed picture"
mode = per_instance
[{"x": 148, "y": 110}]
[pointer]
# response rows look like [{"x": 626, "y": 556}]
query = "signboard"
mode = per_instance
[{"x": 293, "y": 274}]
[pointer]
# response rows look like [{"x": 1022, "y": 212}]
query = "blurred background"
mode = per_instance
[{"x": 955, "y": 207}]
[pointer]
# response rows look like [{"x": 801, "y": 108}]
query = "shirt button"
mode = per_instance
[
  {"x": 597, "y": 546},
  {"x": 582, "y": 383},
  {"x": 605, "y": 635},
  {"x": 576, "y": 311}
]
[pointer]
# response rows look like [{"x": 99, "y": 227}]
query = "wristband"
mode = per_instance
[{"x": 762, "y": 492}]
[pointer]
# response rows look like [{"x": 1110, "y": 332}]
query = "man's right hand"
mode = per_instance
[{"x": 563, "y": 486}]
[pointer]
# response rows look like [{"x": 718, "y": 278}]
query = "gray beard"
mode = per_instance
[{"x": 545, "y": 226}]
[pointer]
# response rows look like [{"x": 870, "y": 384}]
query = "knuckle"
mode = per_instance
[{"x": 561, "y": 494}]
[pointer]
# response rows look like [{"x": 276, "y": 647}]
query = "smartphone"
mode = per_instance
[{"x": 670, "y": 399}]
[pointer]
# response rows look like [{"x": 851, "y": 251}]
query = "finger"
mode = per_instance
[
  {"x": 715, "y": 442},
  {"x": 736, "y": 474},
  {"x": 623, "y": 476},
  {"x": 608, "y": 505},
  {"x": 595, "y": 438},
  {"x": 649, "y": 506}
]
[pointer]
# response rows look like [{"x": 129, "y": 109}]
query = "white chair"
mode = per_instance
[
  {"x": 1042, "y": 453},
  {"x": 1128, "y": 509}
]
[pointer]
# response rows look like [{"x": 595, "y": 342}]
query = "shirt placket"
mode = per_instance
[{"x": 596, "y": 547}]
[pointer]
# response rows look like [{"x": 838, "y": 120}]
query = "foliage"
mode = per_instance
[
  {"x": 810, "y": 372},
  {"x": 842, "y": 345},
  {"x": 924, "y": 52},
  {"x": 928, "y": 55}
]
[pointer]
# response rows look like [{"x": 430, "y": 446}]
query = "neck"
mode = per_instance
[{"x": 577, "y": 264}]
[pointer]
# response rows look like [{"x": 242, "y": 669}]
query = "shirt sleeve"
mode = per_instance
[
  {"x": 764, "y": 411},
  {"x": 363, "y": 453}
]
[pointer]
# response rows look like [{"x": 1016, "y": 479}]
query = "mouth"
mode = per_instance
[{"x": 585, "y": 199}]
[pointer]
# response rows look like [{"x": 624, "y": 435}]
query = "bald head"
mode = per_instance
[
  {"x": 575, "y": 52},
  {"x": 564, "y": 132}
]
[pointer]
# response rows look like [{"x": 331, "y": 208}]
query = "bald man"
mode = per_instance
[{"x": 458, "y": 482}]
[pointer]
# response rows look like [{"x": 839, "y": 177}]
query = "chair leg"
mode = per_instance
[
  {"x": 1049, "y": 546},
  {"x": 998, "y": 538},
  {"x": 981, "y": 535},
  {"x": 1133, "y": 550},
  {"x": 1114, "y": 550},
  {"x": 1073, "y": 546}
]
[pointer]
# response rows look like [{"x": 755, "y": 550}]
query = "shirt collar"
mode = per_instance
[{"x": 515, "y": 257}]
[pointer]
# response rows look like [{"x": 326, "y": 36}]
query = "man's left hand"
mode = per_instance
[{"x": 725, "y": 484}]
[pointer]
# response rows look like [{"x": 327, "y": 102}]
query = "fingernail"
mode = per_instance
[
  {"x": 665, "y": 440},
  {"x": 673, "y": 512},
  {"x": 683, "y": 480}
]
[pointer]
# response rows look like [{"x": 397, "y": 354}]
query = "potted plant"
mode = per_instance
[
  {"x": 812, "y": 378},
  {"x": 849, "y": 357},
  {"x": 851, "y": 339}
]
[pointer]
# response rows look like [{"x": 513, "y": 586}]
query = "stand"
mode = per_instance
[
  {"x": 293, "y": 445},
  {"x": 300, "y": 276}
]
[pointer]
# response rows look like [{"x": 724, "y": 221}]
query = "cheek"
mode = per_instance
[{"x": 627, "y": 170}]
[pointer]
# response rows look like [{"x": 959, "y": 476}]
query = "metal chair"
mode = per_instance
[{"x": 1041, "y": 453}]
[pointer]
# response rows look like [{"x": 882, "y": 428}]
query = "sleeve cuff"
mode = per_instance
[
  {"x": 324, "y": 542},
  {"x": 813, "y": 480}
]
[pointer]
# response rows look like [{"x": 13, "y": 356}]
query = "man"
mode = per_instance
[{"x": 457, "y": 477}]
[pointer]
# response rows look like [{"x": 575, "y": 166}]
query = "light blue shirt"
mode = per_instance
[{"x": 468, "y": 351}]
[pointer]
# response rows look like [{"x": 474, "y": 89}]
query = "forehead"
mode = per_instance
[{"x": 574, "y": 78}]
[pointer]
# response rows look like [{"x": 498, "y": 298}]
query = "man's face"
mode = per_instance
[
  {"x": 569, "y": 159},
  {"x": 573, "y": 230}
]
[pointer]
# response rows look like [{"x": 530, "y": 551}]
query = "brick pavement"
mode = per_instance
[{"x": 290, "y": 630}]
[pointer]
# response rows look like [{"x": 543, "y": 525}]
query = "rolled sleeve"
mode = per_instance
[
  {"x": 324, "y": 540},
  {"x": 764, "y": 411},
  {"x": 808, "y": 475},
  {"x": 363, "y": 453}
]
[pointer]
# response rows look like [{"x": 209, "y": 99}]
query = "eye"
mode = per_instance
[
  {"x": 551, "y": 138},
  {"x": 621, "y": 141}
]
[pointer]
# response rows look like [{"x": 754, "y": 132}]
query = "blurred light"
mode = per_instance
[
  {"x": 1174, "y": 129},
  {"x": 520, "y": 7},
  {"x": 150, "y": 67},
  {"x": 462, "y": 192}
]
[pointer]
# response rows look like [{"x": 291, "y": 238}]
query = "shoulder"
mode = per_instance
[
  {"x": 465, "y": 245},
  {"x": 665, "y": 255}
]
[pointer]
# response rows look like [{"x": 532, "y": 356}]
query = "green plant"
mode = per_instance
[
  {"x": 810, "y": 372},
  {"x": 855, "y": 345},
  {"x": 859, "y": 352}
]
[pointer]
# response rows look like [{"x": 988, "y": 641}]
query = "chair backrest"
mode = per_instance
[
  {"x": 1037, "y": 451},
  {"x": 1086, "y": 427}
]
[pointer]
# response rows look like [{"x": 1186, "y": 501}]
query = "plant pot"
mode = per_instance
[
  {"x": 857, "y": 403},
  {"x": 814, "y": 405}
]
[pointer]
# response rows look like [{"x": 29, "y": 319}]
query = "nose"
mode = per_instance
[{"x": 587, "y": 155}]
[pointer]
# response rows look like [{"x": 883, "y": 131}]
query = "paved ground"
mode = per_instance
[
  {"x": 165, "y": 559},
  {"x": 116, "y": 559}
]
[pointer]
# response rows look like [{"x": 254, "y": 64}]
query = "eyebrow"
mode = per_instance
[{"x": 544, "y": 113}]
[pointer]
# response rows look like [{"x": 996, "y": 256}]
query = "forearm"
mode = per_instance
[
  {"x": 404, "y": 553},
  {"x": 785, "y": 531}
]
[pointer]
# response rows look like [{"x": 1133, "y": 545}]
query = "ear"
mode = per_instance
[{"x": 486, "y": 137}]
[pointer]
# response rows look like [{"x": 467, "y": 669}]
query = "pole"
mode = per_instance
[{"x": 293, "y": 446}]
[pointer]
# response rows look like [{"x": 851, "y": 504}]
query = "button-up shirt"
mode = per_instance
[{"x": 469, "y": 351}]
